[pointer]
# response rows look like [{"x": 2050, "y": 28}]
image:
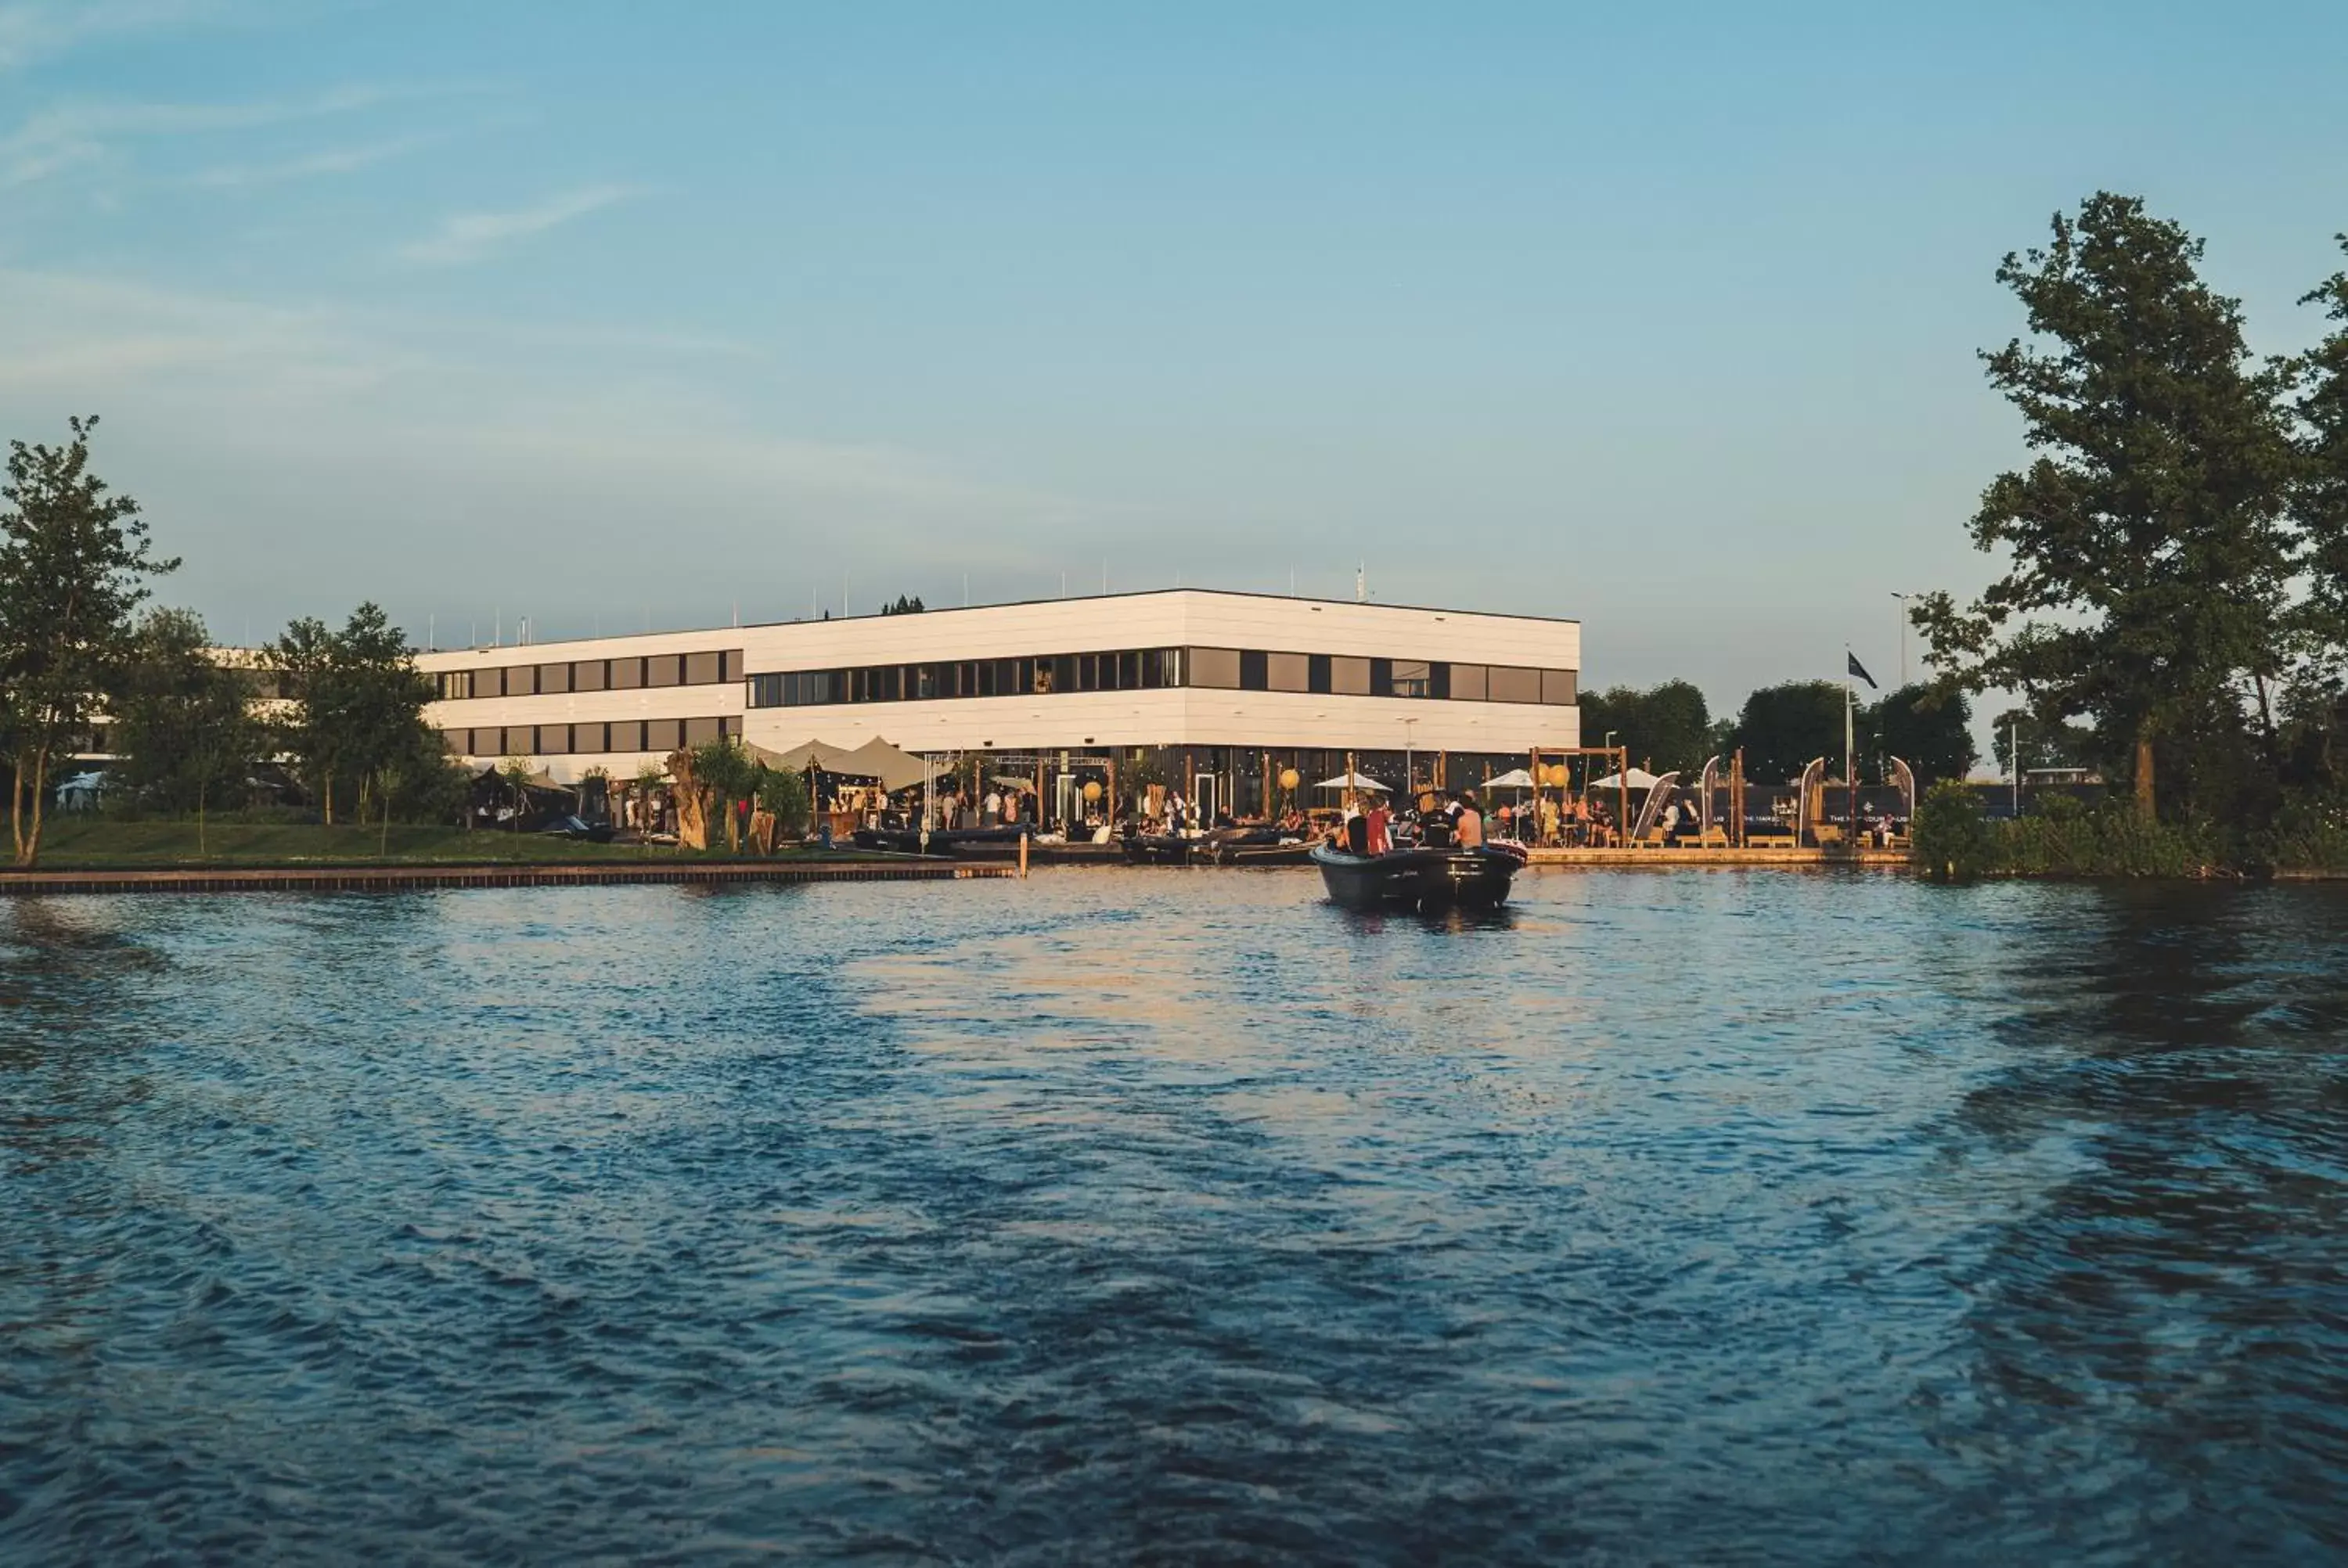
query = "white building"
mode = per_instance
[{"x": 1223, "y": 690}]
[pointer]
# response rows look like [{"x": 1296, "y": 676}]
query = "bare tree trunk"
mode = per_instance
[
  {"x": 200, "y": 852},
  {"x": 2144, "y": 796},
  {"x": 28, "y": 849},
  {"x": 16, "y": 809}
]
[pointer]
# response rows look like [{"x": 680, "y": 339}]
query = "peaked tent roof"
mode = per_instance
[
  {"x": 875, "y": 759},
  {"x": 803, "y": 756},
  {"x": 896, "y": 770}
]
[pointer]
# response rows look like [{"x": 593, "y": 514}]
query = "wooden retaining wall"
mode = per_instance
[{"x": 387, "y": 879}]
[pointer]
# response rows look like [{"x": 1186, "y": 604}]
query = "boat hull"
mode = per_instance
[{"x": 1476, "y": 879}]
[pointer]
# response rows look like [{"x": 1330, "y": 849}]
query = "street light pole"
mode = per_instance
[
  {"x": 1409, "y": 783},
  {"x": 1903, "y": 598}
]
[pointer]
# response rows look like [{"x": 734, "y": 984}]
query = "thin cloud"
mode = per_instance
[
  {"x": 333, "y": 160},
  {"x": 68, "y": 134},
  {"x": 467, "y": 236},
  {"x": 35, "y": 30}
]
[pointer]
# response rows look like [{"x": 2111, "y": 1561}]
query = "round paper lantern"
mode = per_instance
[
  {"x": 1092, "y": 790},
  {"x": 1554, "y": 775},
  {"x": 1289, "y": 778}
]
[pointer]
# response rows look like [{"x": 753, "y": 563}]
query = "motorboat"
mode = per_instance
[
  {"x": 948, "y": 842},
  {"x": 1423, "y": 877},
  {"x": 1248, "y": 845}
]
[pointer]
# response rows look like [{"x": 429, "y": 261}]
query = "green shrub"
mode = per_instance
[{"x": 1953, "y": 843}]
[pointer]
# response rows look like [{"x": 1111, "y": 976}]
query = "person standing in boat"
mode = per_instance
[
  {"x": 1466, "y": 822},
  {"x": 1380, "y": 840}
]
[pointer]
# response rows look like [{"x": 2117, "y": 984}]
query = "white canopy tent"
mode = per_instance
[
  {"x": 1515, "y": 778},
  {"x": 1353, "y": 781},
  {"x": 1636, "y": 778}
]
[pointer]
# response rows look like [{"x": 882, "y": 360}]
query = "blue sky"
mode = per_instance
[{"x": 601, "y": 313}]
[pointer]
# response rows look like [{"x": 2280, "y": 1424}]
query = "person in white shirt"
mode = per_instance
[{"x": 994, "y": 807}]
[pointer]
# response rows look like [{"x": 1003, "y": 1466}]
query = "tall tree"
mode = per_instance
[
  {"x": 1929, "y": 729},
  {"x": 181, "y": 721},
  {"x": 357, "y": 712},
  {"x": 2320, "y": 499},
  {"x": 2151, "y": 529},
  {"x": 74, "y": 560},
  {"x": 1783, "y": 727},
  {"x": 1666, "y": 727}
]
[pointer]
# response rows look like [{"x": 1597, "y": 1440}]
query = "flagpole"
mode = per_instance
[{"x": 1849, "y": 768}]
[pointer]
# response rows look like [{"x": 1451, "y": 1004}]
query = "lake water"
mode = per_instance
[{"x": 1176, "y": 1217}]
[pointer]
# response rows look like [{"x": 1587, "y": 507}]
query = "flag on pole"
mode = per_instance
[{"x": 1859, "y": 669}]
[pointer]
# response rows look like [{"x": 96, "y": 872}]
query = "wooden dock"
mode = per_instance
[
  {"x": 394, "y": 878},
  {"x": 1659, "y": 859}
]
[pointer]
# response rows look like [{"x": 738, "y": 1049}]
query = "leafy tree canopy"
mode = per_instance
[
  {"x": 2149, "y": 558},
  {"x": 181, "y": 721},
  {"x": 74, "y": 560},
  {"x": 1783, "y": 727},
  {"x": 1927, "y": 728},
  {"x": 1666, "y": 727}
]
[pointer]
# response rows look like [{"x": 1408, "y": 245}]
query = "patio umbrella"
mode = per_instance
[
  {"x": 1637, "y": 778},
  {"x": 1351, "y": 781},
  {"x": 1515, "y": 778}
]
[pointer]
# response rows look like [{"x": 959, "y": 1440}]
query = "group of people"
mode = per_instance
[
  {"x": 1547, "y": 819},
  {"x": 1376, "y": 829}
]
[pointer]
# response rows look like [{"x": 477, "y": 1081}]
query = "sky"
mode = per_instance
[{"x": 615, "y": 315}]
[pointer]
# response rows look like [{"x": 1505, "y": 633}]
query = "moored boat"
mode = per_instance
[{"x": 1423, "y": 878}]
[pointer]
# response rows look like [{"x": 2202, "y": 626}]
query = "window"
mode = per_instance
[
  {"x": 587, "y": 676},
  {"x": 553, "y": 739},
  {"x": 701, "y": 731},
  {"x": 1349, "y": 677},
  {"x": 457, "y": 743},
  {"x": 627, "y": 674},
  {"x": 1316, "y": 673},
  {"x": 1468, "y": 682},
  {"x": 664, "y": 670},
  {"x": 1558, "y": 688},
  {"x": 1255, "y": 671},
  {"x": 1063, "y": 673},
  {"x": 1409, "y": 678},
  {"x": 663, "y": 734},
  {"x": 1215, "y": 668},
  {"x": 1382, "y": 678},
  {"x": 1510, "y": 685},
  {"x": 554, "y": 680},
  {"x": 454, "y": 685},
  {"x": 1288, "y": 673},
  {"x": 704, "y": 668}
]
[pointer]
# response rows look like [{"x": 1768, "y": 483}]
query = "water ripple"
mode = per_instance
[{"x": 1177, "y": 1218}]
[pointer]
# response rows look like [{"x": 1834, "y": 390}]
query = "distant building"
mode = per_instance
[{"x": 1219, "y": 691}]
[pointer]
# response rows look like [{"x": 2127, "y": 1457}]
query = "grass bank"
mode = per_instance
[{"x": 99, "y": 844}]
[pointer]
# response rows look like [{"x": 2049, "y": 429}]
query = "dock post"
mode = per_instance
[{"x": 1022, "y": 857}]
